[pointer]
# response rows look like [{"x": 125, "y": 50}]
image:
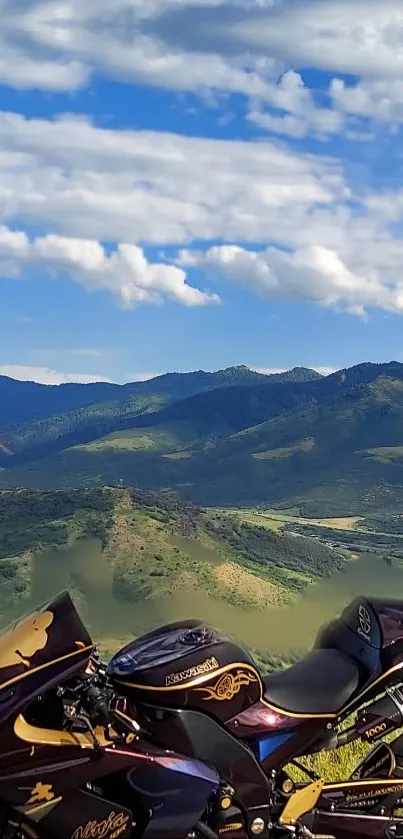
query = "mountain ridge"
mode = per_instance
[
  {"x": 50, "y": 399},
  {"x": 332, "y": 444},
  {"x": 96, "y": 418}
]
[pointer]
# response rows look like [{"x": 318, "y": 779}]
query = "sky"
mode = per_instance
[{"x": 196, "y": 185}]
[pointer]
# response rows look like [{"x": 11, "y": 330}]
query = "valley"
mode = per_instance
[
  {"x": 254, "y": 502},
  {"x": 133, "y": 560}
]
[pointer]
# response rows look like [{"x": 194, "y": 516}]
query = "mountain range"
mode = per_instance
[{"x": 323, "y": 444}]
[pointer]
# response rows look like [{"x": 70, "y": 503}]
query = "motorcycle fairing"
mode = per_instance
[
  {"x": 149, "y": 799},
  {"x": 81, "y": 812},
  {"x": 200, "y": 736},
  {"x": 42, "y": 783},
  {"x": 38, "y": 650},
  {"x": 176, "y": 792}
]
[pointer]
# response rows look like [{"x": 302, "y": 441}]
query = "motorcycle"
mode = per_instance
[
  {"x": 180, "y": 736},
  {"x": 195, "y": 691},
  {"x": 73, "y": 763}
]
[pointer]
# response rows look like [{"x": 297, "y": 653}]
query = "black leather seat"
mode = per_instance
[{"x": 321, "y": 683}]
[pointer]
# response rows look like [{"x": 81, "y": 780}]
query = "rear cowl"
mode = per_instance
[{"x": 188, "y": 664}]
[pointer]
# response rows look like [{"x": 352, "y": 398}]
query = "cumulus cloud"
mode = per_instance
[
  {"x": 115, "y": 37},
  {"x": 144, "y": 186},
  {"x": 46, "y": 376},
  {"x": 84, "y": 186},
  {"x": 312, "y": 274},
  {"x": 361, "y": 37},
  {"x": 125, "y": 272},
  {"x": 300, "y": 115},
  {"x": 358, "y": 37},
  {"x": 242, "y": 47},
  {"x": 381, "y": 100}
]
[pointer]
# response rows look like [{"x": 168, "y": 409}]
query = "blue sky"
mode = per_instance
[{"x": 195, "y": 185}]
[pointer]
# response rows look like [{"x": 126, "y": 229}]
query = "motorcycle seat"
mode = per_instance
[{"x": 320, "y": 683}]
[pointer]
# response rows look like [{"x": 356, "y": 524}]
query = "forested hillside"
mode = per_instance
[
  {"x": 38, "y": 419},
  {"x": 326, "y": 445}
]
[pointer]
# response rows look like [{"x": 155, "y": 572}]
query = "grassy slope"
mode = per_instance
[
  {"x": 320, "y": 458},
  {"x": 157, "y": 546},
  {"x": 212, "y": 402},
  {"x": 37, "y": 420}
]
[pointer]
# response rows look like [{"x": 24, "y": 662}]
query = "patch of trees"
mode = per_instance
[
  {"x": 349, "y": 538},
  {"x": 383, "y": 524},
  {"x": 280, "y": 550},
  {"x": 35, "y": 506},
  {"x": 129, "y": 586},
  {"x": 15, "y": 542},
  {"x": 33, "y": 520},
  {"x": 167, "y": 507}
]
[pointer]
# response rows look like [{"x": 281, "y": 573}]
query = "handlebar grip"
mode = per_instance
[{"x": 98, "y": 705}]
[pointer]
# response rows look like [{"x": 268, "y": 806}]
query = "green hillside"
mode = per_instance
[
  {"x": 28, "y": 401},
  {"x": 134, "y": 559},
  {"x": 37, "y": 419},
  {"x": 337, "y": 456}
]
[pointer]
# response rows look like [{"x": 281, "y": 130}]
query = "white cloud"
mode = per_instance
[
  {"x": 86, "y": 185},
  {"x": 49, "y": 354},
  {"x": 125, "y": 272},
  {"x": 381, "y": 100},
  {"x": 152, "y": 41},
  {"x": 387, "y": 206},
  {"x": 301, "y": 116},
  {"x": 87, "y": 352},
  {"x": 315, "y": 273},
  {"x": 358, "y": 37},
  {"x": 45, "y": 376},
  {"x": 155, "y": 187},
  {"x": 115, "y": 37},
  {"x": 202, "y": 46}
]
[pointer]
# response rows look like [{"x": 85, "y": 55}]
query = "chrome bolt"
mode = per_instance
[{"x": 257, "y": 827}]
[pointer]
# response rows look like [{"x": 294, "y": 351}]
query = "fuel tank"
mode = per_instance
[{"x": 188, "y": 664}]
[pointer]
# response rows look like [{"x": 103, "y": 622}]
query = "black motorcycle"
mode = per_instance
[
  {"x": 199, "y": 693},
  {"x": 181, "y": 737},
  {"x": 73, "y": 763}
]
